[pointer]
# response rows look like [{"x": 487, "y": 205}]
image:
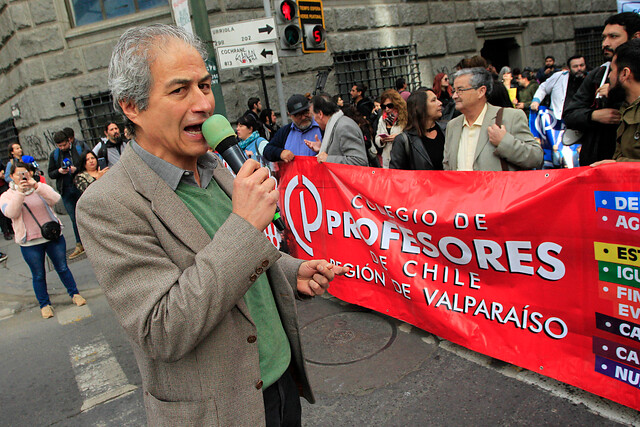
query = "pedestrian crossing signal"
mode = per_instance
[
  {"x": 288, "y": 10},
  {"x": 315, "y": 35},
  {"x": 289, "y": 30},
  {"x": 311, "y": 15}
]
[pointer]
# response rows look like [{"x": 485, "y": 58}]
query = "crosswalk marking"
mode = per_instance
[
  {"x": 98, "y": 374},
  {"x": 72, "y": 314}
]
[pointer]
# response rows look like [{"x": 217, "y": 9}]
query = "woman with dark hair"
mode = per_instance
[
  {"x": 15, "y": 151},
  {"x": 391, "y": 124},
  {"x": 88, "y": 171},
  {"x": 421, "y": 145},
  {"x": 269, "y": 120},
  {"x": 249, "y": 138},
  {"x": 443, "y": 90},
  {"x": 29, "y": 204}
]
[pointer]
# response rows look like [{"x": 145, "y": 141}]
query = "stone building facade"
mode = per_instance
[{"x": 46, "y": 61}]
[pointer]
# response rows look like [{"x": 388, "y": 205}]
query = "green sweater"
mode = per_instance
[{"x": 211, "y": 207}]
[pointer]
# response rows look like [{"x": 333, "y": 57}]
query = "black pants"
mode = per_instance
[{"x": 282, "y": 403}]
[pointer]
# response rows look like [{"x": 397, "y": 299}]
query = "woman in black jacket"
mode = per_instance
[{"x": 421, "y": 145}]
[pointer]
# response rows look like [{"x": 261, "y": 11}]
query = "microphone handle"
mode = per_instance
[{"x": 235, "y": 158}]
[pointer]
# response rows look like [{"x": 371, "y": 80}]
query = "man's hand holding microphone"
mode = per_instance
[{"x": 255, "y": 197}]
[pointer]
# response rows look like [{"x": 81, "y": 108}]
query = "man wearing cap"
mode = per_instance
[{"x": 288, "y": 142}]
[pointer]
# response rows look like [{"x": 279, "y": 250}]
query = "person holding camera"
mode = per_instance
[
  {"x": 63, "y": 163},
  {"x": 29, "y": 205},
  {"x": 88, "y": 171}
]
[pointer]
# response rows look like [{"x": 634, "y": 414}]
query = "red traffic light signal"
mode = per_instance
[
  {"x": 318, "y": 34},
  {"x": 289, "y": 31},
  {"x": 288, "y": 10},
  {"x": 314, "y": 36}
]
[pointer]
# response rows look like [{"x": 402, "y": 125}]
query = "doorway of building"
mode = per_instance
[{"x": 501, "y": 52}]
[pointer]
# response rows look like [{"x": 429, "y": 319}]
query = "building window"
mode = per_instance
[
  {"x": 94, "y": 112},
  {"x": 8, "y": 135},
  {"x": 90, "y": 11},
  {"x": 589, "y": 45},
  {"x": 378, "y": 69}
]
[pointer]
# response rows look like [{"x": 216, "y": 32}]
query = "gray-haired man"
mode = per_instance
[
  {"x": 206, "y": 299},
  {"x": 474, "y": 141}
]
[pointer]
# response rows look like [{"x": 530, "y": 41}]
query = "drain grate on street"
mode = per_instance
[{"x": 347, "y": 337}]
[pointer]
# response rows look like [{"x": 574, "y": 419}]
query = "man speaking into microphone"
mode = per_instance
[{"x": 178, "y": 248}]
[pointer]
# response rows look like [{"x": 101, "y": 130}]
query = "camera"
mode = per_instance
[
  {"x": 24, "y": 176},
  {"x": 66, "y": 163}
]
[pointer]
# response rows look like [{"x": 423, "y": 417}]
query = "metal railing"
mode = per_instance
[
  {"x": 378, "y": 69},
  {"x": 94, "y": 111},
  {"x": 589, "y": 45},
  {"x": 8, "y": 135}
]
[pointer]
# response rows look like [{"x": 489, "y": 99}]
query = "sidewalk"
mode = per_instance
[{"x": 16, "y": 289}]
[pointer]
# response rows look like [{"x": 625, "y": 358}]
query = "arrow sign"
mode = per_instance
[
  {"x": 248, "y": 55},
  {"x": 245, "y": 32},
  {"x": 266, "y": 29}
]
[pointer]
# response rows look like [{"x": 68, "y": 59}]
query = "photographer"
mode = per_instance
[
  {"x": 38, "y": 232},
  {"x": 63, "y": 163}
]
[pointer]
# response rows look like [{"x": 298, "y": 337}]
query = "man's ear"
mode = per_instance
[
  {"x": 636, "y": 35},
  {"x": 130, "y": 110},
  {"x": 624, "y": 74}
]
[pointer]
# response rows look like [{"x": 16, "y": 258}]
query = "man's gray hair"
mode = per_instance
[
  {"x": 130, "y": 67},
  {"x": 479, "y": 77}
]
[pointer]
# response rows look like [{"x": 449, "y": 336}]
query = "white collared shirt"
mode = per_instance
[{"x": 469, "y": 141}]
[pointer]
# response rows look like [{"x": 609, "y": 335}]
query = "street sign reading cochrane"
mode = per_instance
[
  {"x": 248, "y": 55},
  {"x": 240, "y": 33}
]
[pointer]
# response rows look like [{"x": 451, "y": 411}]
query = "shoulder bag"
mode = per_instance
[{"x": 50, "y": 230}]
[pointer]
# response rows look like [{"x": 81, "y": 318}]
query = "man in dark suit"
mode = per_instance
[
  {"x": 594, "y": 110},
  {"x": 205, "y": 298}
]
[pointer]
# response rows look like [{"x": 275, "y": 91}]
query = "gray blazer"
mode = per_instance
[
  {"x": 346, "y": 144},
  {"x": 178, "y": 295},
  {"x": 518, "y": 146}
]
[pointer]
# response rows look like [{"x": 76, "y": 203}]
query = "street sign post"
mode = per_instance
[
  {"x": 241, "y": 33},
  {"x": 247, "y": 55}
]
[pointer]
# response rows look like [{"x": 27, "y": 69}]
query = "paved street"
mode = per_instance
[{"x": 366, "y": 368}]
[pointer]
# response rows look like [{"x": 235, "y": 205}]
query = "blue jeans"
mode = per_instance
[
  {"x": 70, "y": 198},
  {"x": 34, "y": 256}
]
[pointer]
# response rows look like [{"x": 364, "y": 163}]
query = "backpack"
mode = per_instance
[
  {"x": 56, "y": 152},
  {"x": 102, "y": 152}
]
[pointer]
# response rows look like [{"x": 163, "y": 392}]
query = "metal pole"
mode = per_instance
[
  {"x": 278, "y": 76},
  {"x": 264, "y": 88},
  {"x": 203, "y": 30}
]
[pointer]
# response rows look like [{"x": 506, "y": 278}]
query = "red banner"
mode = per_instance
[{"x": 540, "y": 269}]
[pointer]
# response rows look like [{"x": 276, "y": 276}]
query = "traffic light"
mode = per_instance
[
  {"x": 311, "y": 14},
  {"x": 314, "y": 36},
  {"x": 288, "y": 24}
]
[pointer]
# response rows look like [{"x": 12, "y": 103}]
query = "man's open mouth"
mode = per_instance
[{"x": 195, "y": 129}]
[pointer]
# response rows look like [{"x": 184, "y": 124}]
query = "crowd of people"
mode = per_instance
[
  {"x": 27, "y": 203},
  {"x": 144, "y": 204},
  {"x": 553, "y": 117}
]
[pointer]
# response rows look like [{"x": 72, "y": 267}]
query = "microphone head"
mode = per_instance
[{"x": 216, "y": 129}]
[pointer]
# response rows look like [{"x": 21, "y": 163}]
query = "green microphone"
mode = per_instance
[{"x": 219, "y": 134}]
